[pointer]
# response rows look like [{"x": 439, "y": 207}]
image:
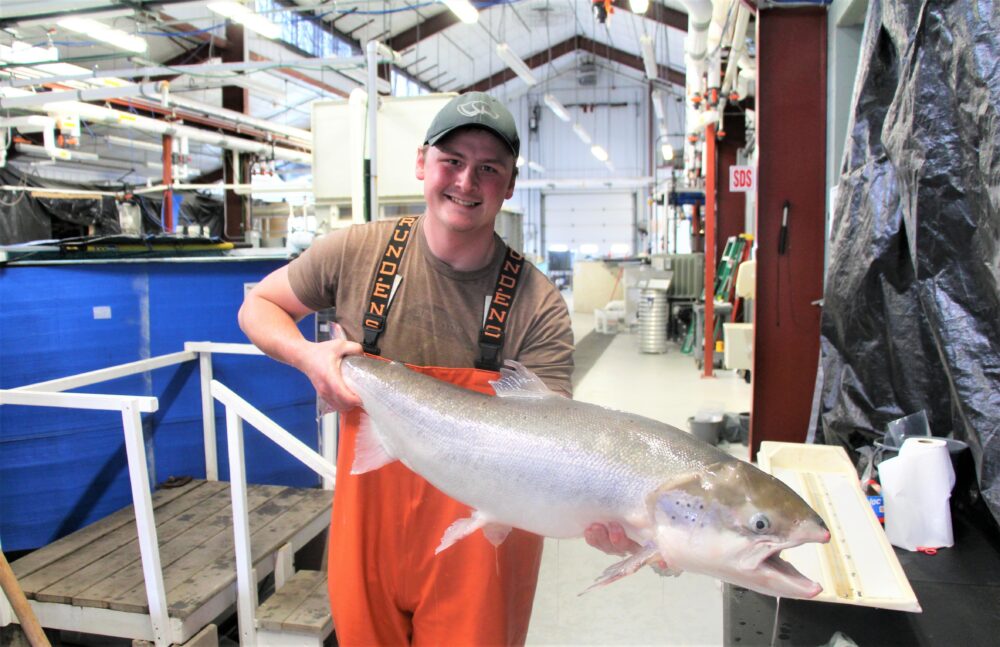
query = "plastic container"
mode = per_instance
[{"x": 706, "y": 430}]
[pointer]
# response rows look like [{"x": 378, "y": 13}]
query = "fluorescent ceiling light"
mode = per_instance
[
  {"x": 582, "y": 134},
  {"x": 658, "y": 105},
  {"x": 557, "y": 108},
  {"x": 648, "y": 56},
  {"x": 25, "y": 54},
  {"x": 463, "y": 9},
  {"x": 535, "y": 166},
  {"x": 515, "y": 63},
  {"x": 102, "y": 32},
  {"x": 246, "y": 17},
  {"x": 520, "y": 162},
  {"x": 639, "y": 6},
  {"x": 610, "y": 166},
  {"x": 667, "y": 151},
  {"x": 599, "y": 153}
]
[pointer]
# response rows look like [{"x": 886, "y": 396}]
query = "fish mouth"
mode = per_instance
[
  {"x": 776, "y": 576},
  {"x": 788, "y": 580}
]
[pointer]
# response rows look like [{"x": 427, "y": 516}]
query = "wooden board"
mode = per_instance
[
  {"x": 301, "y": 606},
  {"x": 119, "y": 549},
  {"x": 99, "y": 566},
  {"x": 89, "y": 534}
]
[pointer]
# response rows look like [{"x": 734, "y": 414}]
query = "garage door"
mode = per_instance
[{"x": 590, "y": 224}]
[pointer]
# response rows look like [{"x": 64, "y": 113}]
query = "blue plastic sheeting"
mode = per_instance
[{"x": 61, "y": 469}]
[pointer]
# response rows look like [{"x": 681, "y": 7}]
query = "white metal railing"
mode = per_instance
[
  {"x": 238, "y": 410},
  {"x": 49, "y": 394}
]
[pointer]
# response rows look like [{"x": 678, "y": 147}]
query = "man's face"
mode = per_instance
[{"x": 466, "y": 176}]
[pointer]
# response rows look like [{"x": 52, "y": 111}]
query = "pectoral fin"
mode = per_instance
[
  {"x": 369, "y": 453},
  {"x": 627, "y": 566},
  {"x": 495, "y": 532},
  {"x": 516, "y": 381}
]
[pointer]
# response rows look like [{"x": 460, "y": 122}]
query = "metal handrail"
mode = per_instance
[{"x": 238, "y": 410}]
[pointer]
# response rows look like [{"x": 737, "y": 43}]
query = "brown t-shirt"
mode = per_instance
[{"x": 437, "y": 312}]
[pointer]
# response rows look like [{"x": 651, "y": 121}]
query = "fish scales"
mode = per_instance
[
  {"x": 547, "y": 464},
  {"x": 499, "y": 453}
]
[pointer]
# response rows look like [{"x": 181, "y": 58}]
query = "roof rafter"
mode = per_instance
[
  {"x": 576, "y": 43},
  {"x": 662, "y": 14}
]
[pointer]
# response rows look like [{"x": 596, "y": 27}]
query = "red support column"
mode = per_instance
[
  {"x": 168, "y": 180},
  {"x": 730, "y": 205},
  {"x": 710, "y": 180},
  {"x": 791, "y": 138},
  {"x": 235, "y": 98}
]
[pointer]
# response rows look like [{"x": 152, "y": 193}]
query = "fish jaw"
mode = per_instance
[
  {"x": 732, "y": 521},
  {"x": 766, "y": 572}
]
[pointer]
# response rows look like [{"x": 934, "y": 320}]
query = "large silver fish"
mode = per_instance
[{"x": 534, "y": 460}]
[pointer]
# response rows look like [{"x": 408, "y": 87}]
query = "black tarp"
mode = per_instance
[
  {"x": 25, "y": 218},
  {"x": 911, "y": 316}
]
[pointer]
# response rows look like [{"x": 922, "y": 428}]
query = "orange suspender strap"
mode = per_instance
[
  {"x": 491, "y": 337},
  {"x": 373, "y": 321}
]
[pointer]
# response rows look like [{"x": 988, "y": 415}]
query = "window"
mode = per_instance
[{"x": 304, "y": 32}]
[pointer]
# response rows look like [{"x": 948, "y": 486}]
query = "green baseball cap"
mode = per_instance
[{"x": 476, "y": 109}]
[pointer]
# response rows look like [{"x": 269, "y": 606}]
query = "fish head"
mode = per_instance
[{"x": 731, "y": 521}]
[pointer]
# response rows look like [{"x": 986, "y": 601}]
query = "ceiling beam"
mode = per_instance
[
  {"x": 576, "y": 43},
  {"x": 660, "y": 13},
  {"x": 410, "y": 37},
  {"x": 657, "y": 12},
  {"x": 190, "y": 31}
]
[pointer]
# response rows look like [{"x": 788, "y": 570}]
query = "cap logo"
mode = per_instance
[{"x": 475, "y": 108}]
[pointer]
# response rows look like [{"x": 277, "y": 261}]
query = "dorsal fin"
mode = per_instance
[{"x": 518, "y": 382}]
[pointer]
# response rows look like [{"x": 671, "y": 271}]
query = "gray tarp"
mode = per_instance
[{"x": 911, "y": 315}]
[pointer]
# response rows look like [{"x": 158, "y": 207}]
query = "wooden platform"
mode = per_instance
[{"x": 92, "y": 579}]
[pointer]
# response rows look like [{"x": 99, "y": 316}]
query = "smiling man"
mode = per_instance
[{"x": 443, "y": 293}]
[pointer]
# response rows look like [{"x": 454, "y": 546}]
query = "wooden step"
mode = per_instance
[{"x": 301, "y": 606}]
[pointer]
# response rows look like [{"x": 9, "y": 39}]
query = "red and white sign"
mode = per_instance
[{"x": 742, "y": 178}]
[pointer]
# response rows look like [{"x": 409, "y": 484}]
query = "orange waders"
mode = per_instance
[{"x": 387, "y": 587}]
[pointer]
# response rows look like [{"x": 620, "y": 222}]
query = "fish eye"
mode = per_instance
[{"x": 759, "y": 523}]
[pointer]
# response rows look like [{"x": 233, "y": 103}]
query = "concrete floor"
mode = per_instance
[{"x": 643, "y": 609}]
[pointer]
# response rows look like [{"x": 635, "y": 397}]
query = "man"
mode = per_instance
[{"x": 443, "y": 293}]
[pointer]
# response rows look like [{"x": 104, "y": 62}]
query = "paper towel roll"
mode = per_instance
[{"x": 917, "y": 486}]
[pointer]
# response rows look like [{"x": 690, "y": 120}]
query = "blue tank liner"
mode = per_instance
[{"x": 61, "y": 469}]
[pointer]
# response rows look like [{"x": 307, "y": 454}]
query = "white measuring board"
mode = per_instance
[{"x": 858, "y": 565}]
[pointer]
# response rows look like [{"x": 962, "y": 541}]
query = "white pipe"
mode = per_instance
[
  {"x": 34, "y": 124},
  {"x": 54, "y": 152},
  {"x": 239, "y": 118},
  {"x": 159, "y": 92},
  {"x": 738, "y": 48},
  {"x": 17, "y": 100},
  {"x": 372, "y": 49},
  {"x": 699, "y": 18},
  {"x": 131, "y": 73},
  {"x": 39, "y": 189},
  {"x": 122, "y": 119}
]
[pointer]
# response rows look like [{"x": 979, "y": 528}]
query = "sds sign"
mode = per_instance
[{"x": 742, "y": 178}]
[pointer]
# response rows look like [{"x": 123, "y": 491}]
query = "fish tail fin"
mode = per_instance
[{"x": 369, "y": 453}]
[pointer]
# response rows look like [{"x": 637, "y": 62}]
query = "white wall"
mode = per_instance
[{"x": 618, "y": 116}]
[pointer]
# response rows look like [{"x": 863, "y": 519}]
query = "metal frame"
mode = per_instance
[
  {"x": 238, "y": 410},
  {"x": 157, "y": 627}
]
